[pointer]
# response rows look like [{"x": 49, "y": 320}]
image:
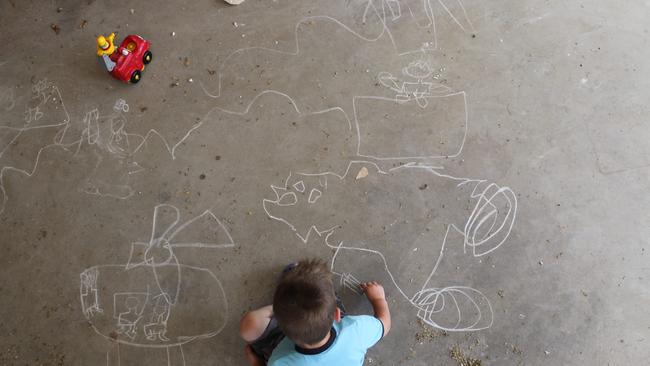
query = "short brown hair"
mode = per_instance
[{"x": 304, "y": 302}]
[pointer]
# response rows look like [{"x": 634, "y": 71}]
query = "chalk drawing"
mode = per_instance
[
  {"x": 46, "y": 125},
  {"x": 153, "y": 300},
  {"x": 399, "y": 122},
  {"x": 419, "y": 102},
  {"x": 452, "y": 308},
  {"x": 401, "y": 21},
  {"x": 121, "y": 106},
  {"x": 486, "y": 228},
  {"x": 420, "y": 89},
  {"x": 113, "y": 148},
  {"x": 44, "y": 119}
]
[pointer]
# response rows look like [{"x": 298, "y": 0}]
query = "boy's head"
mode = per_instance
[{"x": 304, "y": 303}]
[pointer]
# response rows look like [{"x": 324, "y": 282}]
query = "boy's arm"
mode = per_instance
[
  {"x": 251, "y": 327},
  {"x": 253, "y": 323},
  {"x": 375, "y": 294}
]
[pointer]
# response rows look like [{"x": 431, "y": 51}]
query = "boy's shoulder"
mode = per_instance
[
  {"x": 366, "y": 327},
  {"x": 354, "y": 334}
]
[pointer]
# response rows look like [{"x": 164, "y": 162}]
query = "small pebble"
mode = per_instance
[{"x": 173, "y": 34}]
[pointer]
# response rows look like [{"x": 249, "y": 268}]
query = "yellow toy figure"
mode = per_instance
[{"x": 106, "y": 50}]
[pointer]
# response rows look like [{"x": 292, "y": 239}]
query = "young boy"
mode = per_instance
[{"x": 305, "y": 324}]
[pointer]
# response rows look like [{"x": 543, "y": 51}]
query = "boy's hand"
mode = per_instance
[{"x": 374, "y": 291}]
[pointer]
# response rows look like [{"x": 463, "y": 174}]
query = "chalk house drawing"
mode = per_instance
[{"x": 153, "y": 300}]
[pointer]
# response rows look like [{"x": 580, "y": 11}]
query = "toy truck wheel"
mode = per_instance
[
  {"x": 146, "y": 58},
  {"x": 135, "y": 76}
]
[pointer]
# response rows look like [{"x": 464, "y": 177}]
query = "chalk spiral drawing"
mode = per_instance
[{"x": 153, "y": 300}]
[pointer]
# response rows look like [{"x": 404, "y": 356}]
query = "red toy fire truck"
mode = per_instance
[{"x": 127, "y": 61}]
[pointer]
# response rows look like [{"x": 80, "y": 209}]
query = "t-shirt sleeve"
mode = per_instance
[{"x": 369, "y": 329}]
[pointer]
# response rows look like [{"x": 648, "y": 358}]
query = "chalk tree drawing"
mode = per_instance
[{"x": 153, "y": 300}]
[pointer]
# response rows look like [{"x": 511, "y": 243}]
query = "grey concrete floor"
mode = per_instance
[{"x": 489, "y": 168}]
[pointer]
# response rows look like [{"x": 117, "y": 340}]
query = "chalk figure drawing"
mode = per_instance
[
  {"x": 113, "y": 148},
  {"x": 153, "y": 300}
]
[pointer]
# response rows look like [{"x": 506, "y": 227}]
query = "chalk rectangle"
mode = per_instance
[{"x": 395, "y": 129}]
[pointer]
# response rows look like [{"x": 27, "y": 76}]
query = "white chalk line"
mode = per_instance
[{"x": 369, "y": 156}]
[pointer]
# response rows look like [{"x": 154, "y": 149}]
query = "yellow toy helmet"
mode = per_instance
[
  {"x": 102, "y": 43},
  {"x": 105, "y": 45}
]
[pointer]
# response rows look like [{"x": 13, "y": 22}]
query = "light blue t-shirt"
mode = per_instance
[{"x": 350, "y": 339}]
